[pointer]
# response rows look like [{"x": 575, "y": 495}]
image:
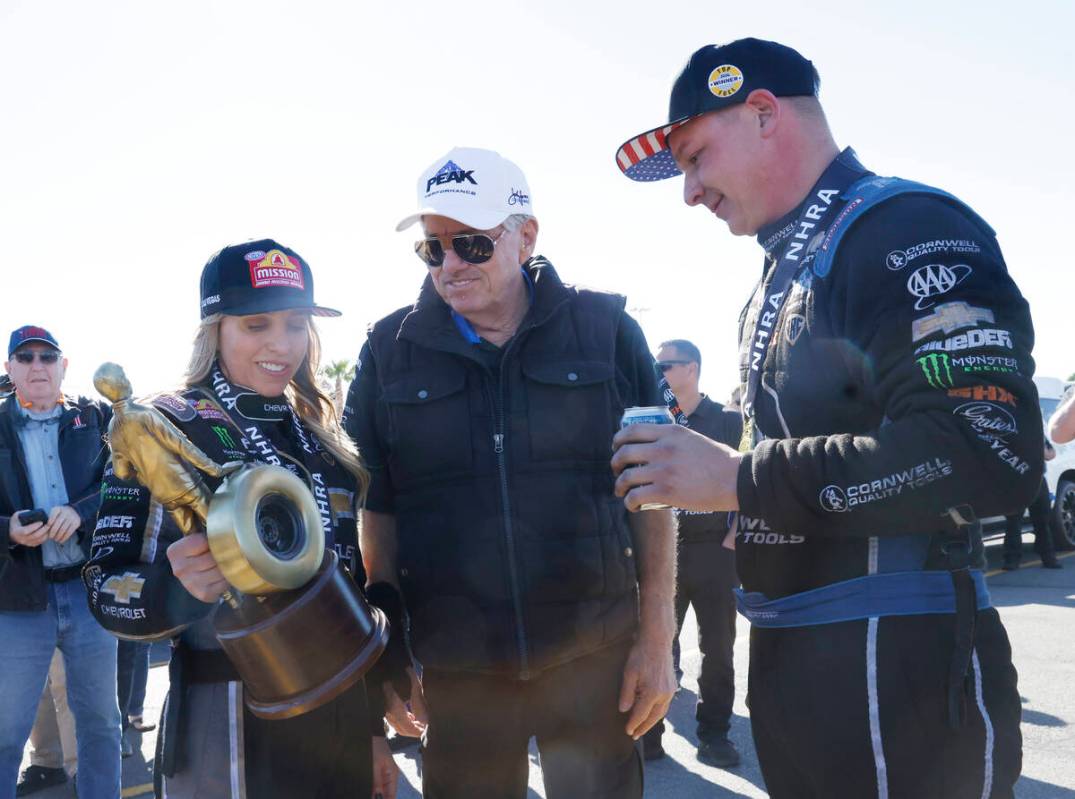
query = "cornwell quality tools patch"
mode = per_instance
[
  {"x": 837, "y": 499},
  {"x": 897, "y": 259}
]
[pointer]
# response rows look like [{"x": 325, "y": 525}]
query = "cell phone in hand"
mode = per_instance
[{"x": 28, "y": 517}]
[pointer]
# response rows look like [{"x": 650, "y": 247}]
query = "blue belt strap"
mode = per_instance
[{"x": 912, "y": 593}]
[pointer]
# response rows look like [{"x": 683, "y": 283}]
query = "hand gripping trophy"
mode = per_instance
[{"x": 297, "y": 628}]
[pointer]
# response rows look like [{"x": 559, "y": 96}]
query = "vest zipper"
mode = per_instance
[{"x": 509, "y": 532}]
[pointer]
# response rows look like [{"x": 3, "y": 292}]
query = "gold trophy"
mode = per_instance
[{"x": 296, "y": 627}]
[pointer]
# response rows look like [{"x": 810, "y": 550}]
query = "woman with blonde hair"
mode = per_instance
[{"x": 250, "y": 395}]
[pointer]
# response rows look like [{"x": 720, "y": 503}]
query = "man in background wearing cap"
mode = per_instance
[
  {"x": 52, "y": 457},
  {"x": 485, "y": 412},
  {"x": 888, "y": 402}
]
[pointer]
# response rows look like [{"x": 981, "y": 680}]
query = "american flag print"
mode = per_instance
[{"x": 646, "y": 157}]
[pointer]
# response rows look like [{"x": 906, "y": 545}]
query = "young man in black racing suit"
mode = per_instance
[{"x": 888, "y": 402}]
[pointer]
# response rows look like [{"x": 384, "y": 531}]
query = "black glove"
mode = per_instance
[{"x": 391, "y": 667}]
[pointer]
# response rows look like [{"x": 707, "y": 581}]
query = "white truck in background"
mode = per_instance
[
  {"x": 1060, "y": 471},
  {"x": 1059, "y": 474}
]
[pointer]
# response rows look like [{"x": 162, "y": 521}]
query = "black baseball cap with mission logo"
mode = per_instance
[
  {"x": 258, "y": 277},
  {"x": 716, "y": 77}
]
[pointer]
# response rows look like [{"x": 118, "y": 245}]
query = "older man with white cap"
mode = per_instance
[{"x": 538, "y": 606}]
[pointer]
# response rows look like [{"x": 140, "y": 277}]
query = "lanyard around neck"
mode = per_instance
[{"x": 792, "y": 254}]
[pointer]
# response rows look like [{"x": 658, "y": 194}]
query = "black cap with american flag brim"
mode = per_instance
[{"x": 716, "y": 77}]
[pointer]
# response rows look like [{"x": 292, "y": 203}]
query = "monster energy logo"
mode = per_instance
[
  {"x": 937, "y": 370},
  {"x": 225, "y": 436}
]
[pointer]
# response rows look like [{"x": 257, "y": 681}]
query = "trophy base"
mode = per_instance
[{"x": 297, "y": 650}]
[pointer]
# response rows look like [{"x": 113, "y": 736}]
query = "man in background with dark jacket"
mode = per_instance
[
  {"x": 705, "y": 571},
  {"x": 52, "y": 457}
]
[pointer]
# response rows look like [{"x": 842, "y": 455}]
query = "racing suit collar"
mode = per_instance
[{"x": 771, "y": 236}]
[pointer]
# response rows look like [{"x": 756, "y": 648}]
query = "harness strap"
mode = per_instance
[
  {"x": 911, "y": 593},
  {"x": 957, "y": 549}
]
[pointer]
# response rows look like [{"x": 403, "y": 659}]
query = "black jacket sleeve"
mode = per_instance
[
  {"x": 364, "y": 421},
  {"x": 88, "y": 503},
  {"x": 132, "y": 591},
  {"x": 942, "y": 343},
  {"x": 635, "y": 375}
]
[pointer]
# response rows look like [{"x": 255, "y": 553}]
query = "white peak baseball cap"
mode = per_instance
[{"x": 479, "y": 188}]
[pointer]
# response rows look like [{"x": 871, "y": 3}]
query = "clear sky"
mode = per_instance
[{"x": 136, "y": 138}]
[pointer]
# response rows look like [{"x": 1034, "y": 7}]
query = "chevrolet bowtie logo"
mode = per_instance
[
  {"x": 949, "y": 316},
  {"x": 123, "y": 588}
]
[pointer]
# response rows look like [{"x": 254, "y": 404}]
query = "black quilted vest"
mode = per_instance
[{"x": 514, "y": 554}]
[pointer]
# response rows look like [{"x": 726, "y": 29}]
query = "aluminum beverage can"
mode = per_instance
[{"x": 648, "y": 414}]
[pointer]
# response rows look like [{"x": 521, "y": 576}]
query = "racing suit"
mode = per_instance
[
  {"x": 893, "y": 403},
  {"x": 210, "y": 744}
]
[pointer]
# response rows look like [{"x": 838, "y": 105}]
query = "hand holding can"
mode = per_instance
[{"x": 648, "y": 414}]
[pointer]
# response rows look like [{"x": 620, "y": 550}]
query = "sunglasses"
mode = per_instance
[
  {"x": 474, "y": 248},
  {"x": 664, "y": 366},
  {"x": 47, "y": 357}
]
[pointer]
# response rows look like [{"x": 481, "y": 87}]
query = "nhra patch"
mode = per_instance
[
  {"x": 274, "y": 268},
  {"x": 725, "y": 80}
]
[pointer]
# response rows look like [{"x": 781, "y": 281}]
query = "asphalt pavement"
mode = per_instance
[{"x": 1036, "y": 605}]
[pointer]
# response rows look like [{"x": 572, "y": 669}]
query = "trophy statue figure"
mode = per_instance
[
  {"x": 150, "y": 449},
  {"x": 311, "y": 634}
]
